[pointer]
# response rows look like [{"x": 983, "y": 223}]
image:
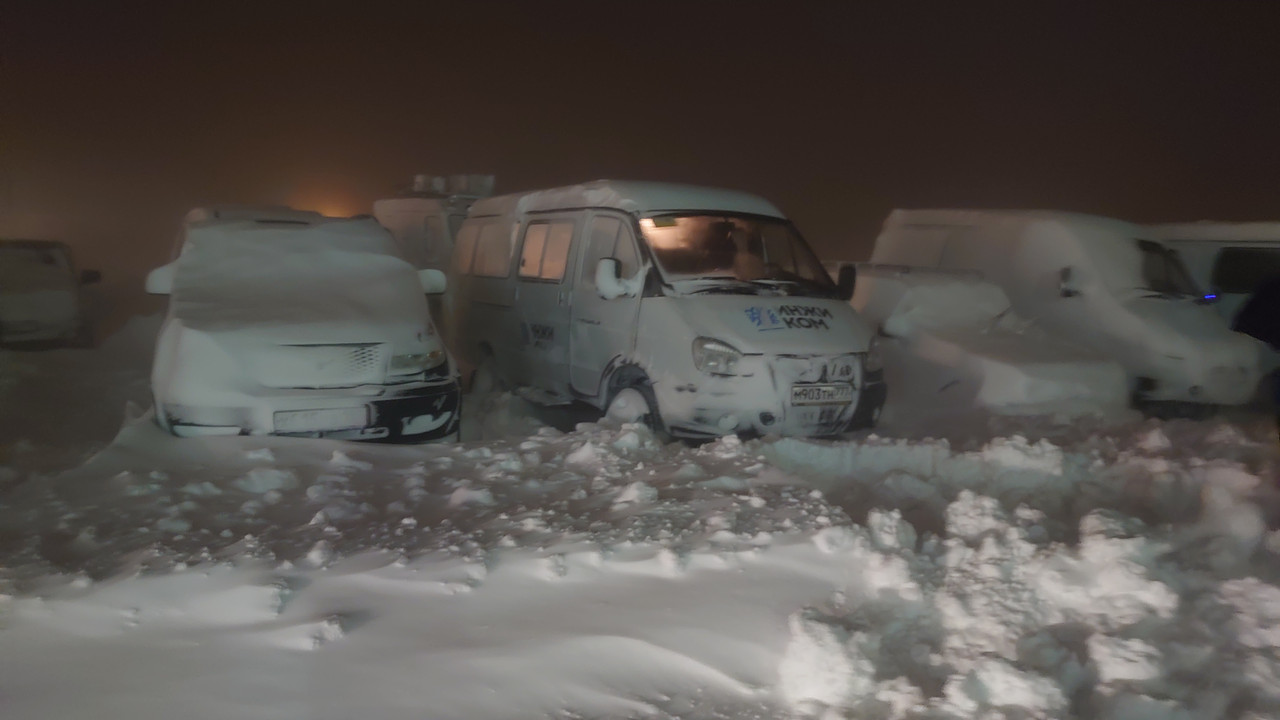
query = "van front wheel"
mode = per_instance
[{"x": 636, "y": 404}]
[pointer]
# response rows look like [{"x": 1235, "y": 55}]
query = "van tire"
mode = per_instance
[{"x": 636, "y": 402}]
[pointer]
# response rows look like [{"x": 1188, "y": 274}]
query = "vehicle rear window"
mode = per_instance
[
  {"x": 1242, "y": 269},
  {"x": 493, "y": 250}
]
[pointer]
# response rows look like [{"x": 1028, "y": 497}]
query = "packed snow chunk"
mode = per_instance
[
  {"x": 889, "y": 532},
  {"x": 263, "y": 480},
  {"x": 1135, "y": 706},
  {"x": 997, "y": 685},
  {"x": 822, "y": 666},
  {"x": 320, "y": 554},
  {"x": 467, "y": 496},
  {"x": 635, "y": 493},
  {"x": 1016, "y": 453},
  {"x": 202, "y": 489},
  {"x": 837, "y": 539},
  {"x": 260, "y": 455},
  {"x": 1119, "y": 659},
  {"x": 972, "y": 516},
  {"x": 308, "y": 636},
  {"x": 1255, "y": 621},
  {"x": 1154, "y": 441},
  {"x": 342, "y": 460},
  {"x": 586, "y": 457}
]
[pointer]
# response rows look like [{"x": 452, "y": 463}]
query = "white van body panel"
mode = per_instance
[
  {"x": 300, "y": 327},
  {"x": 1201, "y": 245},
  {"x": 1184, "y": 347},
  {"x": 956, "y": 345},
  {"x": 421, "y": 227},
  {"x": 562, "y": 340}
]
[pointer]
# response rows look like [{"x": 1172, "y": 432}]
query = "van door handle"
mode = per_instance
[
  {"x": 564, "y": 298},
  {"x": 589, "y": 321}
]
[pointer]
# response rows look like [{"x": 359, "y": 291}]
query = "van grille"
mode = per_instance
[{"x": 322, "y": 366}]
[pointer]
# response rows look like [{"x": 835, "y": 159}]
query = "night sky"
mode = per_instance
[{"x": 114, "y": 121}]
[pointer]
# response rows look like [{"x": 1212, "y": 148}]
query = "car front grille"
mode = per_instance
[{"x": 322, "y": 366}]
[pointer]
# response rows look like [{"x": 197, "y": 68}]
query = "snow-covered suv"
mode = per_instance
[
  {"x": 290, "y": 323},
  {"x": 40, "y": 294}
]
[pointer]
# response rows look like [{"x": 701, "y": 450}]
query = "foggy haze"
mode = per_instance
[{"x": 114, "y": 122}]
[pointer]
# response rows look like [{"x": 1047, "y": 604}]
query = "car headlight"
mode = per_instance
[
  {"x": 715, "y": 357},
  {"x": 416, "y": 362},
  {"x": 873, "y": 361}
]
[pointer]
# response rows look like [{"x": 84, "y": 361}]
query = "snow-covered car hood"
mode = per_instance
[
  {"x": 1193, "y": 328},
  {"x": 786, "y": 325},
  {"x": 283, "y": 294}
]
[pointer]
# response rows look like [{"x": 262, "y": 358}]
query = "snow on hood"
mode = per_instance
[
  {"x": 296, "y": 286},
  {"x": 772, "y": 325}
]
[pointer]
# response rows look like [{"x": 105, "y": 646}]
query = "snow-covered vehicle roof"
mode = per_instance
[
  {"x": 1113, "y": 227},
  {"x": 265, "y": 213},
  {"x": 1224, "y": 232},
  {"x": 631, "y": 196}
]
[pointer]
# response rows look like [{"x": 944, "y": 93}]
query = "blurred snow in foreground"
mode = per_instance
[{"x": 1117, "y": 571}]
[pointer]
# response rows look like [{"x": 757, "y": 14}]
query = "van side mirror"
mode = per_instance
[
  {"x": 609, "y": 279},
  {"x": 433, "y": 281},
  {"x": 846, "y": 279},
  {"x": 89, "y": 277},
  {"x": 1067, "y": 283},
  {"x": 160, "y": 280}
]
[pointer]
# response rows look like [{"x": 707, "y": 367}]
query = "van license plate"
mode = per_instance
[
  {"x": 834, "y": 394},
  {"x": 325, "y": 419}
]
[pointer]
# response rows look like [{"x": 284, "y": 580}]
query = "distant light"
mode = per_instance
[{"x": 1211, "y": 297}]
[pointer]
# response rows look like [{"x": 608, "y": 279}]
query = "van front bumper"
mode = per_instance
[
  {"x": 755, "y": 405},
  {"x": 420, "y": 413}
]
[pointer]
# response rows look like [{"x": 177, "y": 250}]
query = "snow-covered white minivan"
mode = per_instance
[
  {"x": 1229, "y": 260},
  {"x": 1098, "y": 282},
  {"x": 290, "y": 323},
  {"x": 701, "y": 311}
]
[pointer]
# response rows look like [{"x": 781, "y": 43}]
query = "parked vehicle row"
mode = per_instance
[
  {"x": 1100, "y": 284},
  {"x": 40, "y": 295},
  {"x": 700, "y": 311}
]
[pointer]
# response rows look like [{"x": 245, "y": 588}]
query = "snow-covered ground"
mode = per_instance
[{"x": 1115, "y": 568}]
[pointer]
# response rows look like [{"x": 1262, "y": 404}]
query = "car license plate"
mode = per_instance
[
  {"x": 833, "y": 394},
  {"x": 323, "y": 419}
]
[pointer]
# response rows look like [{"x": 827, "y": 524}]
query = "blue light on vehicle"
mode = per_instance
[{"x": 1211, "y": 296}]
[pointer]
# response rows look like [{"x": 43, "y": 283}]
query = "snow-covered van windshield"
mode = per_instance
[
  {"x": 1163, "y": 272},
  {"x": 746, "y": 254}
]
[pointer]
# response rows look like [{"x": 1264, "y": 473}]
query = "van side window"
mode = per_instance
[
  {"x": 465, "y": 250},
  {"x": 546, "y": 250},
  {"x": 609, "y": 238},
  {"x": 1241, "y": 270},
  {"x": 493, "y": 250},
  {"x": 535, "y": 241}
]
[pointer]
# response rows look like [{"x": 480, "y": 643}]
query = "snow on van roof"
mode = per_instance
[
  {"x": 266, "y": 213},
  {"x": 362, "y": 234},
  {"x": 1214, "y": 231},
  {"x": 637, "y": 197},
  {"x": 1025, "y": 217}
]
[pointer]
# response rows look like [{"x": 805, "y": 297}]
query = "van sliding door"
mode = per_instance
[{"x": 544, "y": 294}]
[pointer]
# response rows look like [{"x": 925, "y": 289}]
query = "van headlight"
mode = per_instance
[
  {"x": 416, "y": 362},
  {"x": 715, "y": 357},
  {"x": 873, "y": 361}
]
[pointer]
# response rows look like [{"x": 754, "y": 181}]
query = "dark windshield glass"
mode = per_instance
[
  {"x": 732, "y": 247},
  {"x": 1163, "y": 271}
]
